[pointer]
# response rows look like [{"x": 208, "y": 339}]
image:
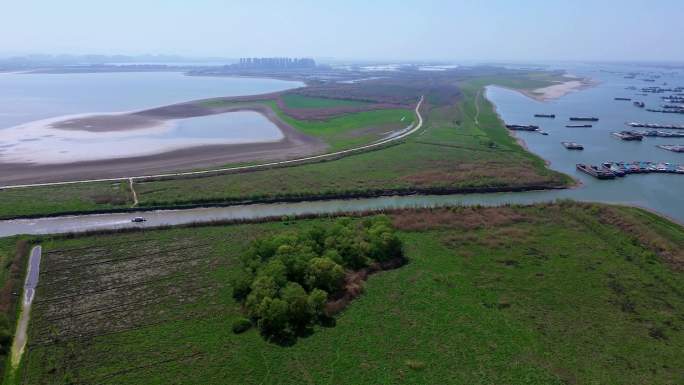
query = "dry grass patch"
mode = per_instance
[{"x": 466, "y": 218}]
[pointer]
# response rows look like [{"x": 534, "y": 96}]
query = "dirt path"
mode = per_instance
[
  {"x": 133, "y": 193},
  {"x": 476, "y": 118},
  {"x": 21, "y": 335}
]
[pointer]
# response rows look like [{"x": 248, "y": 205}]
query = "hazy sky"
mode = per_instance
[{"x": 350, "y": 29}]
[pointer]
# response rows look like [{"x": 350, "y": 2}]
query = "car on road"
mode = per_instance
[{"x": 138, "y": 219}]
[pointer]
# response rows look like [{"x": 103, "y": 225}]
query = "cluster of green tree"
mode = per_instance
[{"x": 288, "y": 278}]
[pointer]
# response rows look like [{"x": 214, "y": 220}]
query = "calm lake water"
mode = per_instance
[
  {"x": 661, "y": 192},
  {"x": 27, "y": 100}
]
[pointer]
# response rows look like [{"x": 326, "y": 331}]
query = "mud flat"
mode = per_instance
[{"x": 290, "y": 145}]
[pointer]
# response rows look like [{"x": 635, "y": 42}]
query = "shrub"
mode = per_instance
[{"x": 241, "y": 325}]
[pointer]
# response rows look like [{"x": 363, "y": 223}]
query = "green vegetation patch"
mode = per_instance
[
  {"x": 63, "y": 199},
  {"x": 545, "y": 294},
  {"x": 288, "y": 279},
  {"x": 352, "y": 129},
  {"x": 307, "y": 102}
]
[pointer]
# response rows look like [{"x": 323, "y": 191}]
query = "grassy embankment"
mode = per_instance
[
  {"x": 13, "y": 258},
  {"x": 547, "y": 294},
  {"x": 453, "y": 153}
]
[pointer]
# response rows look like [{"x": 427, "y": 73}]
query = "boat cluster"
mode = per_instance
[
  {"x": 611, "y": 170},
  {"x": 656, "y": 125}
]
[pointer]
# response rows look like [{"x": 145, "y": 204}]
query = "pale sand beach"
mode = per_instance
[{"x": 558, "y": 90}]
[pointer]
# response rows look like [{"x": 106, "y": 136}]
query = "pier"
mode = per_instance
[{"x": 611, "y": 170}]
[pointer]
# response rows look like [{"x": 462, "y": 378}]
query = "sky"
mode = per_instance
[{"x": 430, "y": 30}]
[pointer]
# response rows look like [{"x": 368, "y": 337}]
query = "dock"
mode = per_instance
[{"x": 611, "y": 170}]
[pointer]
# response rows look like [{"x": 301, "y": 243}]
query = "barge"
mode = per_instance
[
  {"x": 628, "y": 135},
  {"x": 572, "y": 146},
  {"x": 623, "y": 99},
  {"x": 578, "y": 125},
  {"x": 583, "y": 119},
  {"x": 552, "y": 116},
  {"x": 672, "y": 147},
  {"x": 594, "y": 171},
  {"x": 656, "y": 125},
  {"x": 661, "y": 134},
  {"x": 522, "y": 127}
]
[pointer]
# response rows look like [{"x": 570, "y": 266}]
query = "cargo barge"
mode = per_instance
[
  {"x": 522, "y": 127},
  {"x": 672, "y": 147},
  {"x": 572, "y": 146},
  {"x": 656, "y": 125},
  {"x": 628, "y": 135},
  {"x": 595, "y": 171},
  {"x": 583, "y": 119},
  {"x": 661, "y": 134}
]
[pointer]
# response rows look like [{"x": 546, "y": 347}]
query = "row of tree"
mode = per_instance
[{"x": 287, "y": 279}]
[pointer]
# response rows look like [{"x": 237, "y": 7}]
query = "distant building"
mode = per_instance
[{"x": 276, "y": 63}]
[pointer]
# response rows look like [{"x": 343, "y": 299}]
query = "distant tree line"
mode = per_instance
[{"x": 287, "y": 279}]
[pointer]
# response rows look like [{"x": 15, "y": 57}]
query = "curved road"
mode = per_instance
[{"x": 398, "y": 136}]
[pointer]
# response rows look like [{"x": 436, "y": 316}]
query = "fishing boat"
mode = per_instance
[{"x": 572, "y": 146}]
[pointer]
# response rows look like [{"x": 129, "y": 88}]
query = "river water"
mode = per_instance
[{"x": 661, "y": 193}]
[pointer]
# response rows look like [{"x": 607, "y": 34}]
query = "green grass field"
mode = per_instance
[
  {"x": 548, "y": 294},
  {"x": 307, "y": 102},
  {"x": 66, "y": 198},
  {"x": 351, "y": 130}
]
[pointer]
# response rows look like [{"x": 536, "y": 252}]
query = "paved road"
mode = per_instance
[{"x": 398, "y": 136}]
